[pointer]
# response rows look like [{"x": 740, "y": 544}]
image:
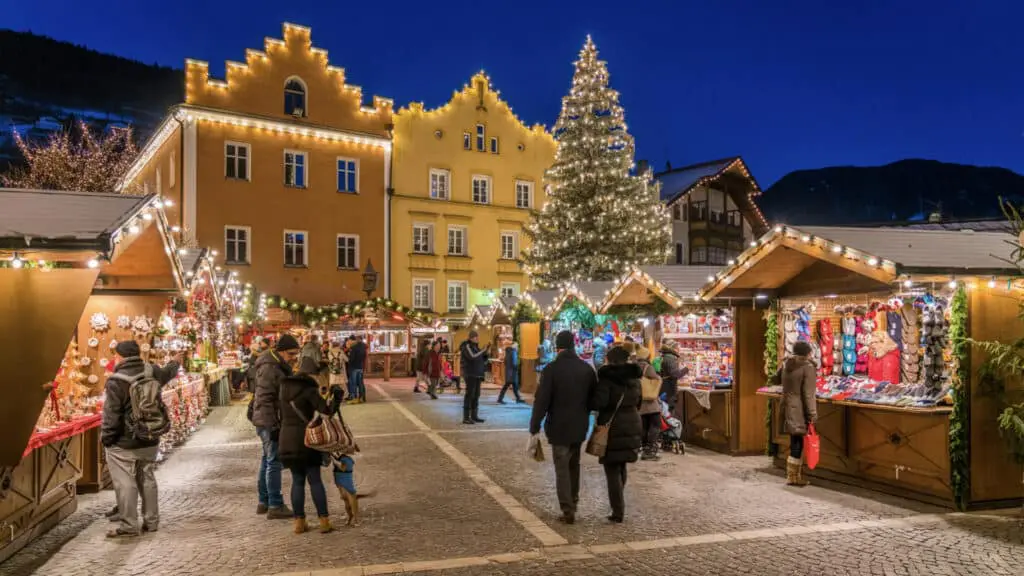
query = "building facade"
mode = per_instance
[
  {"x": 714, "y": 211},
  {"x": 467, "y": 176},
  {"x": 280, "y": 167}
]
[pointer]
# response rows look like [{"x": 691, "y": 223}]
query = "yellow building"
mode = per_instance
[
  {"x": 281, "y": 168},
  {"x": 466, "y": 177}
]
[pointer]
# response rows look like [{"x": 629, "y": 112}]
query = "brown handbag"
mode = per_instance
[{"x": 597, "y": 445}]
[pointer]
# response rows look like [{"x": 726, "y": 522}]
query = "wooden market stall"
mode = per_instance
[
  {"x": 494, "y": 324},
  {"x": 717, "y": 341},
  {"x": 900, "y": 407},
  {"x": 386, "y": 327},
  {"x": 68, "y": 263}
]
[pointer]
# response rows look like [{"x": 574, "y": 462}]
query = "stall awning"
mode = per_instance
[
  {"x": 838, "y": 260},
  {"x": 57, "y": 220}
]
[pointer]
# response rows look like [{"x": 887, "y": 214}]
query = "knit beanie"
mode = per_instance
[
  {"x": 127, "y": 349},
  {"x": 286, "y": 342}
]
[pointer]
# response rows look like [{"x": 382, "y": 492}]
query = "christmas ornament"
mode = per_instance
[{"x": 99, "y": 322}]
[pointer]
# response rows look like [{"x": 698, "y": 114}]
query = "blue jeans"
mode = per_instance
[
  {"x": 355, "y": 384},
  {"x": 269, "y": 479},
  {"x": 308, "y": 475}
]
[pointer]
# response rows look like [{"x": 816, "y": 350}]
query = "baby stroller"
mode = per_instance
[
  {"x": 671, "y": 432},
  {"x": 448, "y": 378}
]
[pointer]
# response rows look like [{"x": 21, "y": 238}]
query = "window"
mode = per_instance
[
  {"x": 236, "y": 245},
  {"x": 439, "y": 183},
  {"x": 423, "y": 294},
  {"x": 294, "y": 169},
  {"x": 159, "y": 183},
  {"x": 456, "y": 296},
  {"x": 509, "y": 245},
  {"x": 467, "y": 141},
  {"x": 699, "y": 211},
  {"x": 679, "y": 252},
  {"x": 295, "y": 248},
  {"x": 717, "y": 216},
  {"x": 456, "y": 241},
  {"x": 699, "y": 255},
  {"x": 677, "y": 212},
  {"x": 236, "y": 160},
  {"x": 295, "y": 97},
  {"x": 482, "y": 189},
  {"x": 524, "y": 194},
  {"x": 348, "y": 252},
  {"x": 480, "y": 137},
  {"x": 170, "y": 171},
  {"x": 509, "y": 289},
  {"x": 494, "y": 144},
  {"x": 716, "y": 255},
  {"x": 422, "y": 238},
  {"x": 348, "y": 175}
]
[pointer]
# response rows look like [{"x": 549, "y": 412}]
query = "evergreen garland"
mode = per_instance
[
  {"x": 771, "y": 367},
  {"x": 960, "y": 420}
]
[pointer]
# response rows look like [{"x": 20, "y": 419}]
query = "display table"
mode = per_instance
[
  {"x": 707, "y": 417},
  {"x": 39, "y": 492},
  {"x": 898, "y": 450},
  {"x": 219, "y": 385}
]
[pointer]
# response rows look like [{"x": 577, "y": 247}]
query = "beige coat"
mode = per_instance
[{"x": 798, "y": 387}]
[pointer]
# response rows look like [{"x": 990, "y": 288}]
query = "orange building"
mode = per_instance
[{"x": 282, "y": 168}]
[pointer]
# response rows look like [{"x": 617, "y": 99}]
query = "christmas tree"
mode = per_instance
[{"x": 599, "y": 219}]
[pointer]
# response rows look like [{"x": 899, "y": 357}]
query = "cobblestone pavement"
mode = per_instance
[{"x": 453, "y": 499}]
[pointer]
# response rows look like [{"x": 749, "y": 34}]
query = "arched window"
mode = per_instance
[
  {"x": 295, "y": 97},
  {"x": 679, "y": 252}
]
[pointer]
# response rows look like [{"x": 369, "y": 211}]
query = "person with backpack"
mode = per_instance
[{"x": 134, "y": 418}]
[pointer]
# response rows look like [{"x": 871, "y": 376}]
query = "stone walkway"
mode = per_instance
[{"x": 464, "y": 501}]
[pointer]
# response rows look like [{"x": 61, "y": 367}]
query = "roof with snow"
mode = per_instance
[
  {"x": 64, "y": 220},
  {"x": 679, "y": 181}
]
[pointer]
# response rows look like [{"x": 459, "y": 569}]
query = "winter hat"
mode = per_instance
[
  {"x": 564, "y": 340},
  {"x": 642, "y": 353},
  {"x": 286, "y": 342},
  {"x": 473, "y": 334},
  {"x": 618, "y": 355},
  {"x": 127, "y": 349}
]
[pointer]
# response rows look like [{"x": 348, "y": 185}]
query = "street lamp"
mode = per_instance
[{"x": 369, "y": 279}]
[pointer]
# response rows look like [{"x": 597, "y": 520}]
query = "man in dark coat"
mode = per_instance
[
  {"x": 671, "y": 372},
  {"x": 131, "y": 460},
  {"x": 617, "y": 399},
  {"x": 562, "y": 403},
  {"x": 357, "y": 364},
  {"x": 474, "y": 366},
  {"x": 272, "y": 367},
  {"x": 511, "y": 373}
]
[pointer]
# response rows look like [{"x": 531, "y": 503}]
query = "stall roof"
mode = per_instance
[
  {"x": 927, "y": 250},
  {"x": 844, "y": 260},
  {"x": 544, "y": 299},
  {"x": 58, "y": 220},
  {"x": 683, "y": 281},
  {"x": 190, "y": 259}
]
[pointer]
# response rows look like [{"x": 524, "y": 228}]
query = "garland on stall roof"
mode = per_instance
[
  {"x": 771, "y": 367},
  {"x": 960, "y": 420},
  {"x": 321, "y": 314}
]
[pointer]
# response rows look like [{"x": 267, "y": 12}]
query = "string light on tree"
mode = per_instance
[{"x": 599, "y": 219}]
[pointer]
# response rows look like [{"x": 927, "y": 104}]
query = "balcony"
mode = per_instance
[{"x": 458, "y": 263}]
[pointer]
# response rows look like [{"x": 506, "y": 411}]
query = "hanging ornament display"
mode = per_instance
[{"x": 99, "y": 322}]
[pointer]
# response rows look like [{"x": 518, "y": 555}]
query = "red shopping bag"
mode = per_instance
[{"x": 812, "y": 446}]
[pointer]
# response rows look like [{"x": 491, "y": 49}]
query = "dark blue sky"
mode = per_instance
[{"x": 786, "y": 84}]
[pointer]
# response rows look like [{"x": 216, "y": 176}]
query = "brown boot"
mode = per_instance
[
  {"x": 325, "y": 525},
  {"x": 300, "y": 525},
  {"x": 793, "y": 474}
]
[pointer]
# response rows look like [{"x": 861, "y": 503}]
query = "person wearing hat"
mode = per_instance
[
  {"x": 272, "y": 367},
  {"x": 301, "y": 401},
  {"x": 474, "y": 367},
  {"x": 799, "y": 406},
  {"x": 131, "y": 460},
  {"x": 650, "y": 409},
  {"x": 562, "y": 403}
]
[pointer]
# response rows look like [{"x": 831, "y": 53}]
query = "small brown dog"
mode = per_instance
[{"x": 344, "y": 479}]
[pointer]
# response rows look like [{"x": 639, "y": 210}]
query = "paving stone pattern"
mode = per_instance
[{"x": 427, "y": 512}]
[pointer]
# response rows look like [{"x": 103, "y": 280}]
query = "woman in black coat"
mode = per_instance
[
  {"x": 300, "y": 401},
  {"x": 617, "y": 399}
]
